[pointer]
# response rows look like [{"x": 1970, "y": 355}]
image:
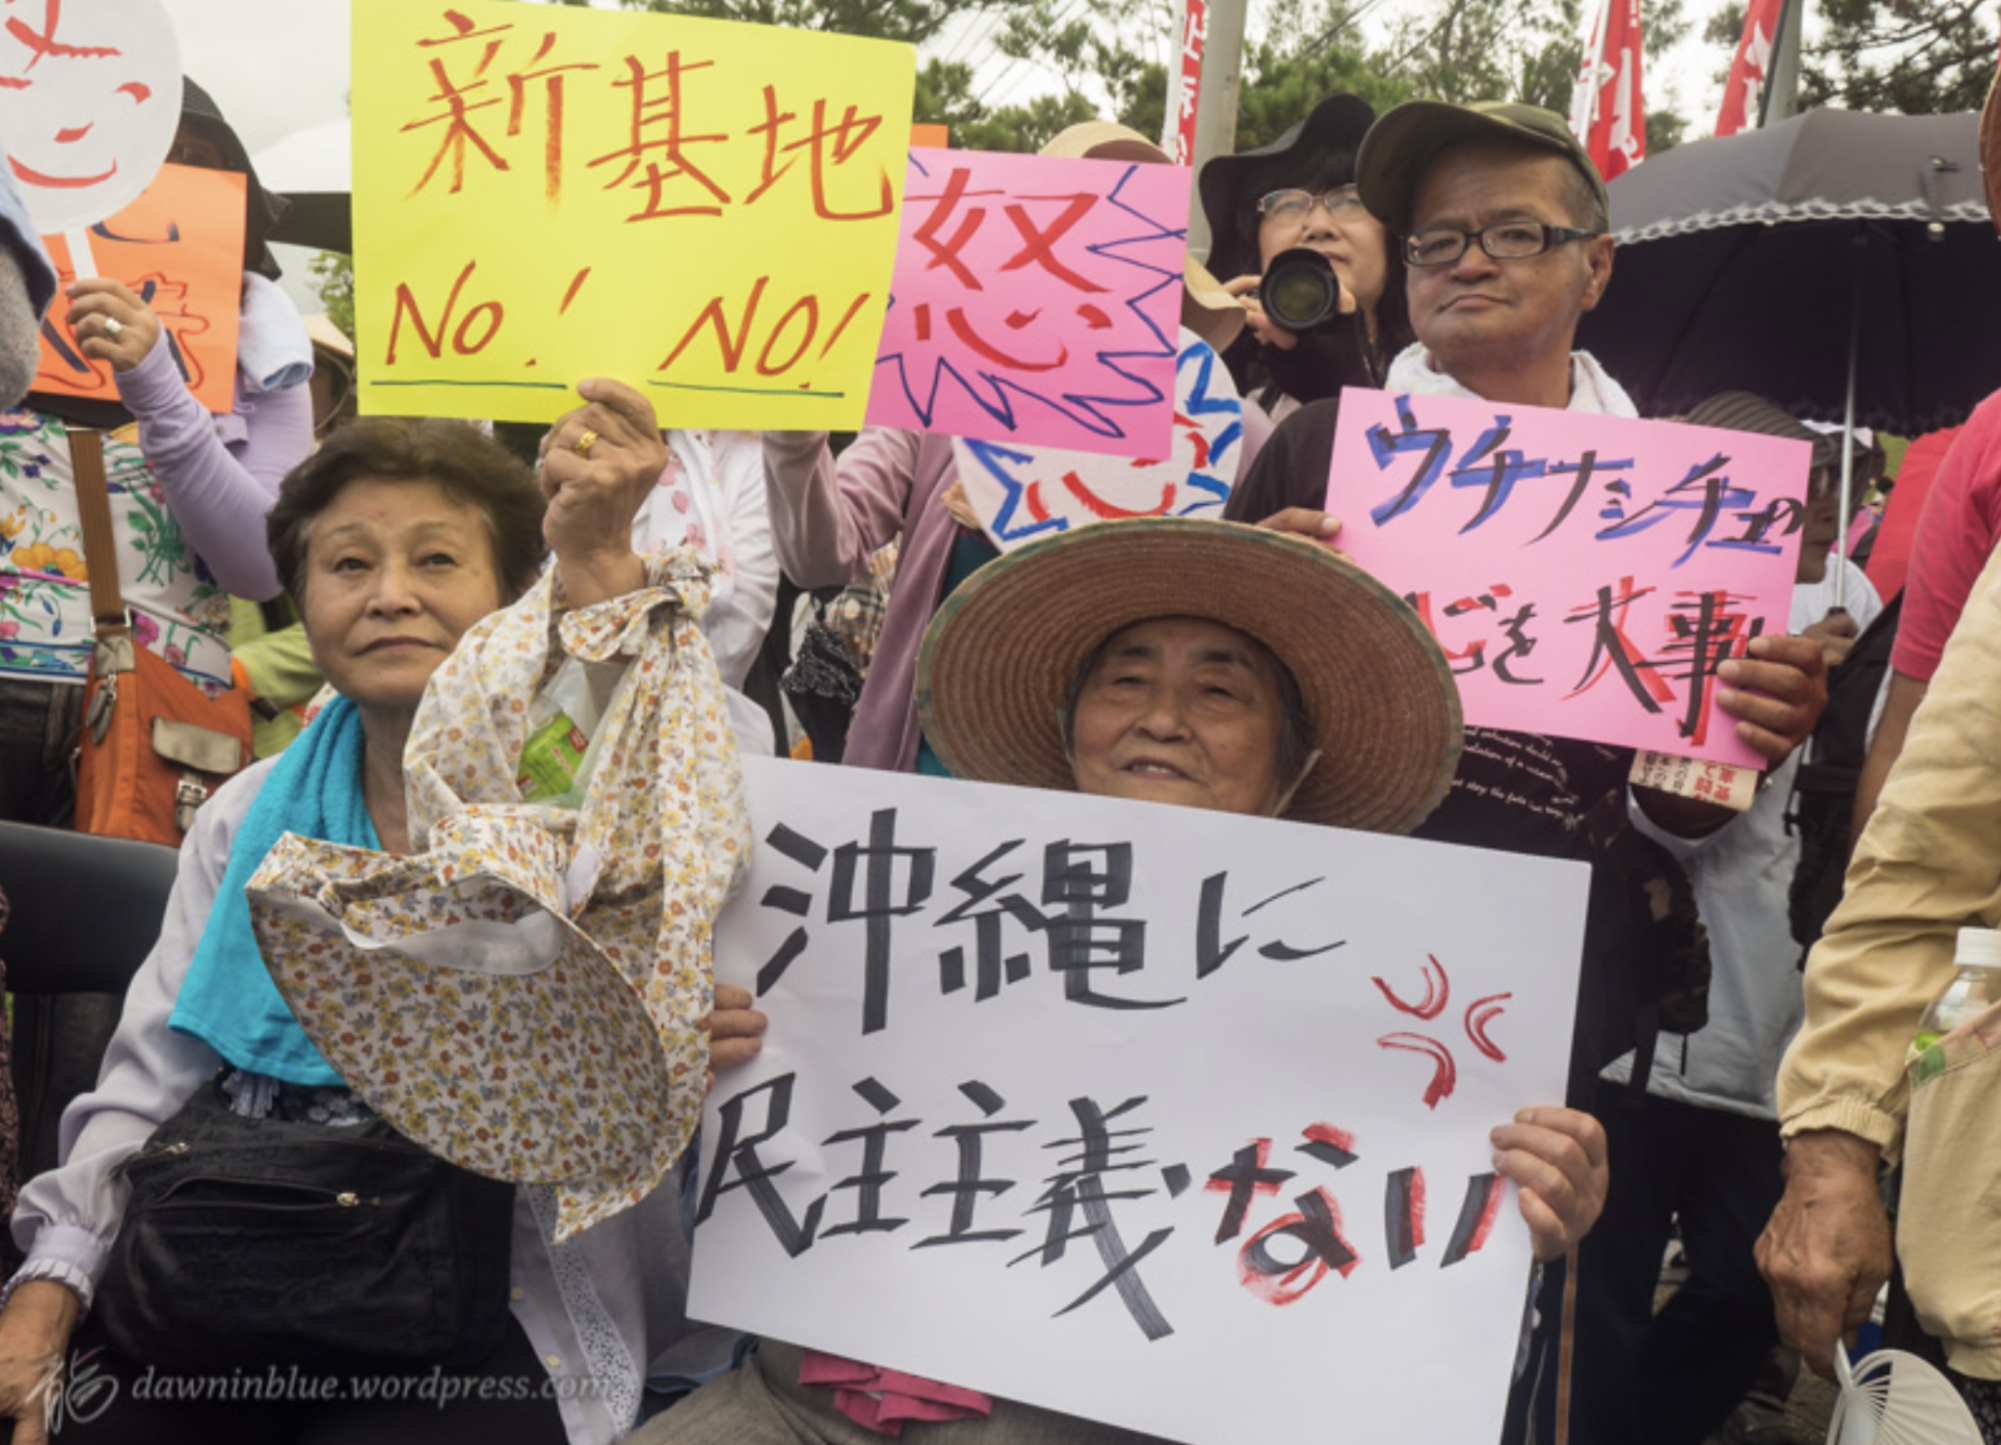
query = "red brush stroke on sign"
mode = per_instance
[
  {"x": 1327, "y": 1134},
  {"x": 1444, "y": 1072},
  {"x": 1487, "y": 1217}
]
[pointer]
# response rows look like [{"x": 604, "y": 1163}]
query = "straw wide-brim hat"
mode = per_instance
[
  {"x": 328, "y": 337},
  {"x": 1207, "y": 309},
  {"x": 1105, "y": 140},
  {"x": 1005, "y": 649}
]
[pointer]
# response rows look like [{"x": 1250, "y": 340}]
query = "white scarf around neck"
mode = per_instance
[{"x": 1591, "y": 386}]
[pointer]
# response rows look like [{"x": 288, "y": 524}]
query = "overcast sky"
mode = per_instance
[
  {"x": 278, "y": 66},
  {"x": 281, "y": 66},
  {"x": 274, "y": 66}
]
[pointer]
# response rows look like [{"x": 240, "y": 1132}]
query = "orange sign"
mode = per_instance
[{"x": 180, "y": 246}]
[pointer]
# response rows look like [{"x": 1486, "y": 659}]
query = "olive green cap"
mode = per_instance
[{"x": 1400, "y": 148}]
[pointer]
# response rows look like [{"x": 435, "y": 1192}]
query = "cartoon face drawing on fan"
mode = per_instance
[{"x": 90, "y": 98}]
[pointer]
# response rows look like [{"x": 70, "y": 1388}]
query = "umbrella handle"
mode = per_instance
[{"x": 1860, "y": 243}]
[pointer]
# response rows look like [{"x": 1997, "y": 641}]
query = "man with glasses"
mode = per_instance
[{"x": 1503, "y": 226}]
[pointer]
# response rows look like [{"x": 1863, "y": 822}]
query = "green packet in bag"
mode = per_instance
[
  {"x": 563, "y": 724},
  {"x": 553, "y": 757}
]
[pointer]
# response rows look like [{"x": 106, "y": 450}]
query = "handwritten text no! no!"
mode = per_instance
[{"x": 705, "y": 209}]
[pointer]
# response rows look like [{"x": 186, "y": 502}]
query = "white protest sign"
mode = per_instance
[
  {"x": 90, "y": 98},
  {"x": 1024, "y": 492},
  {"x": 1172, "y": 1119}
]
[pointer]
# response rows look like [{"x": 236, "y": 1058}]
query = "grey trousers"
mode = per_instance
[{"x": 761, "y": 1402}]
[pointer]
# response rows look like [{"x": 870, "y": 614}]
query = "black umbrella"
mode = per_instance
[
  {"x": 1769, "y": 260},
  {"x": 1840, "y": 263}
]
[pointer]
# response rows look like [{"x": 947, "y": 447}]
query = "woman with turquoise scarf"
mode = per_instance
[{"x": 395, "y": 538}]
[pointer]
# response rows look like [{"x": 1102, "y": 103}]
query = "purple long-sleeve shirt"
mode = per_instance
[
  {"x": 220, "y": 474},
  {"x": 828, "y": 518}
]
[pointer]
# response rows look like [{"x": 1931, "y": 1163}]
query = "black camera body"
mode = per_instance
[{"x": 1300, "y": 291}]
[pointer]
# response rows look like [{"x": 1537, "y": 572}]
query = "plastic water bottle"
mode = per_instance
[{"x": 1975, "y": 984}]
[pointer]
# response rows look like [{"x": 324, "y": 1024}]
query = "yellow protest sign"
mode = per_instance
[{"x": 703, "y": 209}]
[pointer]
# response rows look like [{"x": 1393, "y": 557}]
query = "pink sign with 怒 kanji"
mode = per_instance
[
  {"x": 1036, "y": 300},
  {"x": 1585, "y": 574}
]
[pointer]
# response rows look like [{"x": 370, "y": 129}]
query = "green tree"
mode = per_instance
[
  {"x": 913, "y": 21},
  {"x": 1110, "y": 61},
  {"x": 1461, "y": 50},
  {"x": 333, "y": 279},
  {"x": 1526, "y": 50},
  {"x": 1666, "y": 24},
  {"x": 1910, "y": 57},
  {"x": 1103, "y": 61},
  {"x": 1309, "y": 51},
  {"x": 1914, "y": 57},
  {"x": 946, "y": 89}
]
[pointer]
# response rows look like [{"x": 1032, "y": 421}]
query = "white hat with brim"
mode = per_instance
[{"x": 498, "y": 1036}]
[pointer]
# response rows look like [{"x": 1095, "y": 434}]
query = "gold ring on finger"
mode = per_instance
[{"x": 583, "y": 444}]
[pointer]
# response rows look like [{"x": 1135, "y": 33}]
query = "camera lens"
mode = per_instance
[{"x": 1300, "y": 290}]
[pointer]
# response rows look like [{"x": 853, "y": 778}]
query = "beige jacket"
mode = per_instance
[{"x": 1929, "y": 862}]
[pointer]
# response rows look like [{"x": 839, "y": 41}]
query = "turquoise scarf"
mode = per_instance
[{"x": 228, "y": 1000}]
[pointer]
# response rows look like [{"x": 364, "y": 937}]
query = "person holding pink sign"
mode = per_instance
[{"x": 1504, "y": 226}]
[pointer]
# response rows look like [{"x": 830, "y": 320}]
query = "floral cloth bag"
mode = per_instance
[{"x": 525, "y": 994}]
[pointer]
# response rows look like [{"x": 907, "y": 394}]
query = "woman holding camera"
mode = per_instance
[{"x": 1298, "y": 195}]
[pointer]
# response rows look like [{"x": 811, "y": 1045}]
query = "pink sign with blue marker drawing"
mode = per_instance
[
  {"x": 1585, "y": 574},
  {"x": 1036, "y": 300}
]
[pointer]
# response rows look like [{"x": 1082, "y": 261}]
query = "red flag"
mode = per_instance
[
  {"x": 1194, "y": 33},
  {"x": 1742, "y": 91},
  {"x": 1606, "y": 112}
]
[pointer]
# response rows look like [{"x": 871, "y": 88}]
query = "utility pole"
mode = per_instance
[
  {"x": 1203, "y": 90},
  {"x": 1782, "y": 86}
]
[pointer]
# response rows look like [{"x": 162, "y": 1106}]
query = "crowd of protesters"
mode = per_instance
[{"x": 1191, "y": 663}]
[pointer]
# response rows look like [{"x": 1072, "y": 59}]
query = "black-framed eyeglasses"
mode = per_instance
[
  {"x": 1504, "y": 241},
  {"x": 1296, "y": 205}
]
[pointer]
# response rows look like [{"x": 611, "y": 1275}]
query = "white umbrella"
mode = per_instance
[{"x": 313, "y": 169}]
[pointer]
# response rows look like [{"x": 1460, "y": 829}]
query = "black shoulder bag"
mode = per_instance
[{"x": 271, "y": 1242}]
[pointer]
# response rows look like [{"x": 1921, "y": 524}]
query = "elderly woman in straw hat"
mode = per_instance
[{"x": 1175, "y": 661}]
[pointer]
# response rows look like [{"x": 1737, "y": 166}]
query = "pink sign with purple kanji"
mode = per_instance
[
  {"x": 1037, "y": 300},
  {"x": 1585, "y": 574}
]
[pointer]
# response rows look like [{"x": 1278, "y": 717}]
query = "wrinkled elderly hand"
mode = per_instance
[
  {"x": 736, "y": 1031},
  {"x": 599, "y": 463},
  {"x": 111, "y": 323},
  {"x": 1304, "y": 522},
  {"x": 1777, "y": 694},
  {"x": 1826, "y": 1251},
  {"x": 35, "y": 1329},
  {"x": 1556, "y": 1157}
]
